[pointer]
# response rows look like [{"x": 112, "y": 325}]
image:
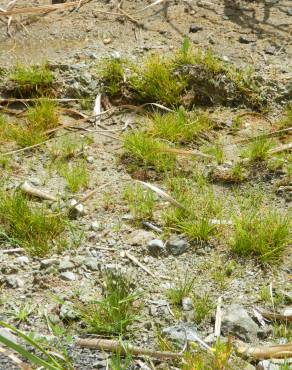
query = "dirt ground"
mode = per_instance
[{"x": 257, "y": 33}]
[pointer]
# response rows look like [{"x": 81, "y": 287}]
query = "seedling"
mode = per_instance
[
  {"x": 182, "y": 289},
  {"x": 31, "y": 226},
  {"x": 32, "y": 81},
  {"x": 76, "y": 175},
  {"x": 141, "y": 201},
  {"x": 115, "y": 311}
]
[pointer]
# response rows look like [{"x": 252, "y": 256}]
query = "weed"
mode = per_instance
[
  {"x": 215, "y": 150},
  {"x": 45, "y": 358},
  {"x": 181, "y": 126},
  {"x": 181, "y": 290},
  {"x": 260, "y": 232},
  {"x": 283, "y": 330},
  {"x": 275, "y": 300},
  {"x": 156, "y": 81},
  {"x": 197, "y": 360},
  {"x": 112, "y": 314},
  {"x": 22, "y": 313},
  {"x": 43, "y": 115},
  {"x": 185, "y": 55},
  {"x": 66, "y": 147},
  {"x": 113, "y": 74},
  {"x": 32, "y": 81},
  {"x": 32, "y": 227},
  {"x": 146, "y": 151},
  {"x": 76, "y": 175},
  {"x": 141, "y": 201},
  {"x": 257, "y": 150},
  {"x": 121, "y": 361},
  {"x": 199, "y": 207},
  {"x": 203, "y": 306},
  {"x": 286, "y": 120}
]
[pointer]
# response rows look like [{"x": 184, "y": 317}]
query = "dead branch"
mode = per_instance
[
  {"x": 138, "y": 263},
  {"x": 195, "y": 153},
  {"x": 218, "y": 320},
  {"x": 38, "y": 193},
  {"x": 276, "y": 316},
  {"x": 282, "y": 148},
  {"x": 15, "y": 359},
  {"x": 265, "y": 352},
  {"x": 115, "y": 345}
]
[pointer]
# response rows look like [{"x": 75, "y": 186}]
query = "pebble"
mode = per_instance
[
  {"x": 187, "y": 304},
  {"x": 140, "y": 237},
  {"x": 245, "y": 39},
  {"x": 95, "y": 226},
  {"x": 14, "y": 281},
  {"x": 271, "y": 50},
  {"x": 181, "y": 332},
  {"x": 194, "y": 28},
  {"x": 67, "y": 311},
  {"x": 77, "y": 210},
  {"x": 22, "y": 260},
  {"x": 91, "y": 263},
  {"x": 68, "y": 276},
  {"x": 107, "y": 41},
  {"x": 177, "y": 246},
  {"x": 48, "y": 263},
  {"x": 35, "y": 181},
  {"x": 90, "y": 159},
  {"x": 156, "y": 247},
  {"x": 65, "y": 264}
]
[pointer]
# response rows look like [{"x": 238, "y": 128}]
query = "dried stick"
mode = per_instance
[
  {"x": 218, "y": 320},
  {"x": 282, "y": 148},
  {"x": 276, "y": 316},
  {"x": 266, "y": 352},
  {"x": 138, "y": 263},
  {"x": 15, "y": 359},
  {"x": 115, "y": 345},
  {"x": 31, "y": 190}
]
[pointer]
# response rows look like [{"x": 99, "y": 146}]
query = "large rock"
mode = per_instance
[
  {"x": 140, "y": 237},
  {"x": 181, "y": 333},
  {"x": 237, "y": 322},
  {"x": 177, "y": 246}
]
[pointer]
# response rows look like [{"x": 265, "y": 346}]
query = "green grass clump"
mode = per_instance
[
  {"x": 216, "y": 150},
  {"x": 258, "y": 150},
  {"x": 182, "y": 289},
  {"x": 181, "y": 126},
  {"x": 113, "y": 74},
  {"x": 66, "y": 148},
  {"x": 199, "y": 207},
  {"x": 31, "y": 226},
  {"x": 148, "y": 152},
  {"x": 32, "y": 81},
  {"x": 40, "y": 118},
  {"x": 156, "y": 82},
  {"x": 261, "y": 232},
  {"x": 141, "y": 201},
  {"x": 76, "y": 175},
  {"x": 115, "y": 311},
  {"x": 203, "y": 306},
  {"x": 286, "y": 120}
]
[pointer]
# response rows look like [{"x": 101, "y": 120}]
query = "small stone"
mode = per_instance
[
  {"x": 177, "y": 246},
  {"x": 156, "y": 247},
  {"x": 91, "y": 263},
  {"x": 95, "y": 226},
  {"x": 35, "y": 181},
  {"x": 289, "y": 11},
  {"x": 65, "y": 264},
  {"x": 194, "y": 28},
  {"x": 14, "y": 282},
  {"x": 68, "y": 276},
  {"x": 107, "y": 41},
  {"x": 271, "y": 50},
  {"x": 182, "y": 332},
  {"x": 287, "y": 311},
  {"x": 67, "y": 311},
  {"x": 22, "y": 260},
  {"x": 187, "y": 304},
  {"x": 90, "y": 159},
  {"x": 273, "y": 364},
  {"x": 48, "y": 263},
  {"x": 245, "y": 39},
  {"x": 237, "y": 321},
  {"x": 76, "y": 211},
  {"x": 225, "y": 59},
  {"x": 140, "y": 237}
]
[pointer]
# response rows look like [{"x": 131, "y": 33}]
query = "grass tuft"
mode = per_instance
[
  {"x": 115, "y": 311},
  {"x": 32, "y": 81},
  {"x": 113, "y": 74},
  {"x": 258, "y": 150},
  {"x": 263, "y": 233},
  {"x": 141, "y": 201},
  {"x": 76, "y": 175},
  {"x": 32, "y": 227},
  {"x": 181, "y": 126},
  {"x": 182, "y": 289},
  {"x": 146, "y": 151}
]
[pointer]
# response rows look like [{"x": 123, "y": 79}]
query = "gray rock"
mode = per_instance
[
  {"x": 289, "y": 11},
  {"x": 194, "y": 28},
  {"x": 156, "y": 247},
  {"x": 181, "y": 332},
  {"x": 187, "y": 304},
  {"x": 65, "y": 265},
  {"x": 68, "y": 276},
  {"x": 91, "y": 263},
  {"x": 35, "y": 181},
  {"x": 76, "y": 211},
  {"x": 22, "y": 260},
  {"x": 6, "y": 333},
  {"x": 67, "y": 311},
  {"x": 95, "y": 226},
  {"x": 177, "y": 246},
  {"x": 274, "y": 364},
  {"x": 271, "y": 50},
  {"x": 44, "y": 264},
  {"x": 237, "y": 321},
  {"x": 245, "y": 39},
  {"x": 140, "y": 237},
  {"x": 14, "y": 281}
]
